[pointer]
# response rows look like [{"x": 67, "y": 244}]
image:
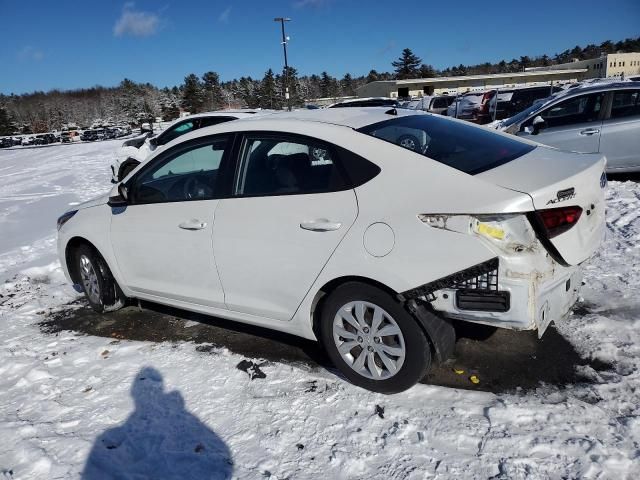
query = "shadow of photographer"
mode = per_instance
[{"x": 159, "y": 440}]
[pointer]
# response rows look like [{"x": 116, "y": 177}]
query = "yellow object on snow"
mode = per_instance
[{"x": 474, "y": 379}]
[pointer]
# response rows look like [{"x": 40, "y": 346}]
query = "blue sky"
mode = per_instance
[{"x": 70, "y": 44}]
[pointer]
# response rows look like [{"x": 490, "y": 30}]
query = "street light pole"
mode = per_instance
[{"x": 286, "y": 65}]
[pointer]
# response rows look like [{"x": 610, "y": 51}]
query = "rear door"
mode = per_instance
[
  {"x": 573, "y": 124},
  {"x": 620, "y": 138},
  {"x": 291, "y": 208}
]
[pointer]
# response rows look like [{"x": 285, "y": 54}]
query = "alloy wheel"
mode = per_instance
[
  {"x": 89, "y": 279},
  {"x": 369, "y": 340}
]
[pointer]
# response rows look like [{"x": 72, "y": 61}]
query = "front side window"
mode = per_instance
[
  {"x": 281, "y": 166},
  {"x": 579, "y": 109},
  {"x": 626, "y": 103},
  {"x": 185, "y": 175},
  {"x": 464, "y": 147}
]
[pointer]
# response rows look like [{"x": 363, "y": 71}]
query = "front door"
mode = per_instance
[
  {"x": 292, "y": 207},
  {"x": 573, "y": 124},
  {"x": 163, "y": 240}
]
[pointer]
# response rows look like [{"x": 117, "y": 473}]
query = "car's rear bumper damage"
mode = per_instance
[{"x": 504, "y": 293}]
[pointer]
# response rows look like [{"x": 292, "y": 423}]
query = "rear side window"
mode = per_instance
[
  {"x": 176, "y": 131},
  {"x": 285, "y": 166},
  {"x": 288, "y": 165},
  {"x": 464, "y": 147},
  {"x": 626, "y": 103}
]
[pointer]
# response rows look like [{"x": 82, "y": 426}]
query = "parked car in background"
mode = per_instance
[
  {"x": 138, "y": 149},
  {"x": 476, "y": 107},
  {"x": 474, "y": 225},
  {"x": 69, "y": 136},
  {"x": 515, "y": 100},
  {"x": 599, "y": 118},
  {"x": 28, "y": 140},
  {"x": 433, "y": 104},
  {"x": 366, "y": 102},
  {"x": 6, "y": 142},
  {"x": 89, "y": 136}
]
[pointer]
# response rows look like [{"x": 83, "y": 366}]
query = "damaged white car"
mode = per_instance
[{"x": 322, "y": 225}]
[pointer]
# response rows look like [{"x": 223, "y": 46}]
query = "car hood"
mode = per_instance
[{"x": 94, "y": 202}]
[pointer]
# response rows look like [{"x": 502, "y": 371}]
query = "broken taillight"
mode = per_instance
[{"x": 558, "y": 220}]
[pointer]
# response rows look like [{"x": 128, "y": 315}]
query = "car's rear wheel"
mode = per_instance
[
  {"x": 372, "y": 339},
  {"x": 100, "y": 288}
]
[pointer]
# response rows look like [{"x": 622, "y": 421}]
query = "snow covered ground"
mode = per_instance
[{"x": 74, "y": 406}]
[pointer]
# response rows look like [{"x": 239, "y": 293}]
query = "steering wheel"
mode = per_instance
[{"x": 194, "y": 188}]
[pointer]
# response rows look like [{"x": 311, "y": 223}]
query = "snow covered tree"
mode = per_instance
[
  {"x": 329, "y": 87},
  {"x": 426, "y": 71},
  {"x": 268, "y": 95},
  {"x": 192, "y": 94},
  {"x": 6, "y": 125},
  {"x": 213, "y": 91},
  {"x": 407, "y": 65},
  {"x": 347, "y": 85}
]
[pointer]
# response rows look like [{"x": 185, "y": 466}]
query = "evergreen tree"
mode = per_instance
[
  {"x": 247, "y": 92},
  {"x": 426, "y": 71},
  {"x": 214, "y": 99},
  {"x": 329, "y": 87},
  {"x": 294, "y": 87},
  {"x": 192, "y": 94},
  {"x": 6, "y": 125},
  {"x": 373, "y": 76},
  {"x": 407, "y": 65},
  {"x": 268, "y": 95},
  {"x": 347, "y": 85}
]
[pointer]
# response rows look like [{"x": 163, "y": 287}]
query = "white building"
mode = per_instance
[
  {"x": 451, "y": 85},
  {"x": 621, "y": 65}
]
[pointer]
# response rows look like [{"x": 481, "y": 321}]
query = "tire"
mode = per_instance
[
  {"x": 409, "y": 351},
  {"x": 101, "y": 289},
  {"x": 409, "y": 142}
]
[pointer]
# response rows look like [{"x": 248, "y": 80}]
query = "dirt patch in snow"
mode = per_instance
[{"x": 500, "y": 360}]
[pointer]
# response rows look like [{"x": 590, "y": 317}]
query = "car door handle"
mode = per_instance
[
  {"x": 589, "y": 131},
  {"x": 320, "y": 225},
  {"x": 192, "y": 224}
]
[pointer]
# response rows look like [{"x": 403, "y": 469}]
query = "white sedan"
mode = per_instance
[{"x": 321, "y": 225}]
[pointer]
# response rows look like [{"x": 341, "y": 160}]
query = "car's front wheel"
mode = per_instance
[
  {"x": 101, "y": 289},
  {"x": 373, "y": 340}
]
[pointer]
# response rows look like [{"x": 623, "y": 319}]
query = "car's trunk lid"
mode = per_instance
[{"x": 557, "y": 179}]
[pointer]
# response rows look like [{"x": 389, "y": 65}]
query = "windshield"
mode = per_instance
[{"x": 465, "y": 147}]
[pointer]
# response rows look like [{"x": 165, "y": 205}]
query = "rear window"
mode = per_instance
[{"x": 464, "y": 147}]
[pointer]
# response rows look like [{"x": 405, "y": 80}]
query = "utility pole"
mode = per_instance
[{"x": 285, "y": 39}]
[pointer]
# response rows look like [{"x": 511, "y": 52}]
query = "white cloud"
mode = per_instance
[
  {"x": 30, "y": 53},
  {"x": 224, "y": 16},
  {"x": 136, "y": 22},
  {"x": 310, "y": 3}
]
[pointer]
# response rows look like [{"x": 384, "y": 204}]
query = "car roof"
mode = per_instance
[
  {"x": 581, "y": 89},
  {"x": 355, "y": 117}
]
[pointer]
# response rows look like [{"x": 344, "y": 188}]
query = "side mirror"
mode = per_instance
[
  {"x": 153, "y": 142},
  {"x": 119, "y": 196}
]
